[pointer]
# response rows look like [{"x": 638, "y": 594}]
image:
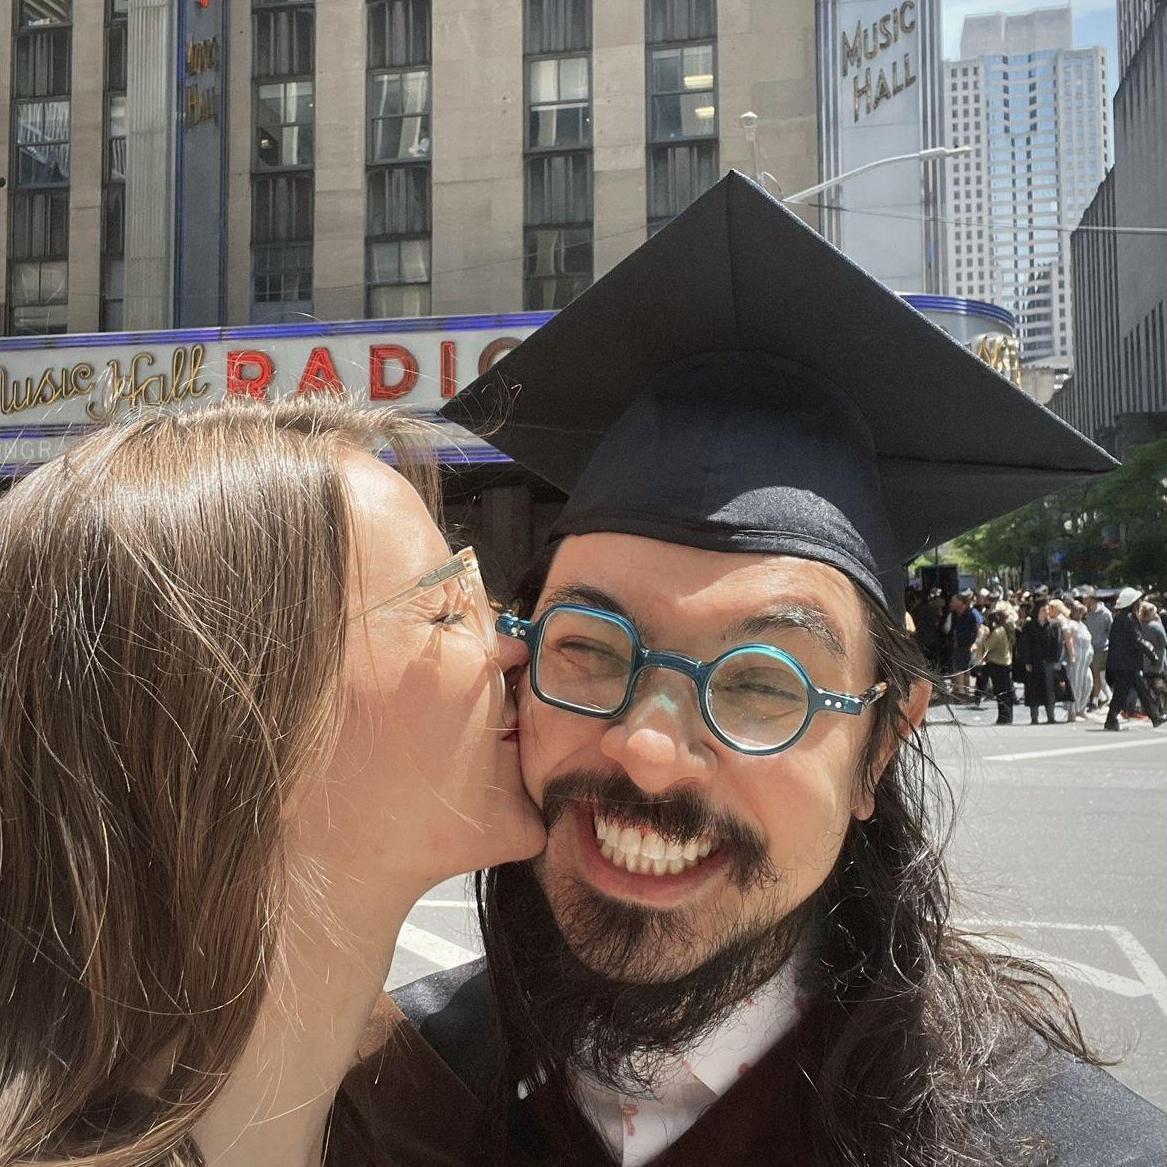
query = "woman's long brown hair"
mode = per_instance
[{"x": 173, "y": 630}]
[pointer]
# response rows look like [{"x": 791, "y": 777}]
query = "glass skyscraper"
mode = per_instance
[{"x": 1034, "y": 111}]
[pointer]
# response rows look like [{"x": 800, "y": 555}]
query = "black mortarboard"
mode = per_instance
[{"x": 737, "y": 384}]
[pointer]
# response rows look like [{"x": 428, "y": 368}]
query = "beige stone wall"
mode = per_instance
[
  {"x": 766, "y": 63},
  {"x": 618, "y": 127},
  {"x": 338, "y": 259},
  {"x": 86, "y": 139},
  {"x": 149, "y": 164},
  {"x": 478, "y": 156},
  {"x": 239, "y": 164}
]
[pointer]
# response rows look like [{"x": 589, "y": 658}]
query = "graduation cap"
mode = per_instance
[{"x": 738, "y": 384}]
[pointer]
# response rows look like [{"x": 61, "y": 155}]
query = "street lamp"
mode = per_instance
[
  {"x": 927, "y": 155},
  {"x": 749, "y": 124}
]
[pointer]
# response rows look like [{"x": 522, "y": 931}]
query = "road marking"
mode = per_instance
[
  {"x": 1160, "y": 741},
  {"x": 1076, "y": 970},
  {"x": 1144, "y": 964},
  {"x": 1152, "y": 981},
  {"x": 425, "y": 944}
]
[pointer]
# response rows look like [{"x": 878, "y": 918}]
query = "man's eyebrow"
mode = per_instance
[
  {"x": 588, "y": 596},
  {"x": 808, "y": 617}
]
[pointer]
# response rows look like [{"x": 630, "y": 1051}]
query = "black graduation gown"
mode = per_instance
[{"x": 418, "y": 1098}]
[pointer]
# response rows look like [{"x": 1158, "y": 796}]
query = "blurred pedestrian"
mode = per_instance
[
  {"x": 1038, "y": 649},
  {"x": 1059, "y": 617},
  {"x": 1098, "y": 619},
  {"x": 1124, "y": 666},
  {"x": 1081, "y": 674},
  {"x": 1154, "y": 663},
  {"x": 966, "y": 626},
  {"x": 999, "y": 663}
]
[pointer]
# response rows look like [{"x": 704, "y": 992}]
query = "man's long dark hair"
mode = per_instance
[{"x": 924, "y": 1036}]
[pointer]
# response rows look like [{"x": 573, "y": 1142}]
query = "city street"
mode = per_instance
[{"x": 1060, "y": 847}]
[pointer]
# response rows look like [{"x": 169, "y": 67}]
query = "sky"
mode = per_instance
[{"x": 1095, "y": 23}]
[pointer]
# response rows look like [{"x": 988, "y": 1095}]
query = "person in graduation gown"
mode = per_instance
[{"x": 736, "y": 947}]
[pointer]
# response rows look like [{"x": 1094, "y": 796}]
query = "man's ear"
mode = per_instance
[{"x": 912, "y": 714}]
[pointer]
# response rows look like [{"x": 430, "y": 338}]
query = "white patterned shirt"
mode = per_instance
[{"x": 637, "y": 1129}]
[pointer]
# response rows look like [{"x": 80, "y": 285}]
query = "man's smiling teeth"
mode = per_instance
[{"x": 644, "y": 852}]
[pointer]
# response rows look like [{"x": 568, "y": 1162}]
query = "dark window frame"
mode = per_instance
[
  {"x": 530, "y": 107},
  {"x": 372, "y": 121},
  {"x": 575, "y": 227},
  {"x": 398, "y": 188},
  {"x": 380, "y": 56},
  {"x": 651, "y": 95},
  {"x": 415, "y": 224},
  {"x": 678, "y": 203},
  {"x": 539, "y": 42},
  {"x": 671, "y": 34},
  {"x": 19, "y": 8}
]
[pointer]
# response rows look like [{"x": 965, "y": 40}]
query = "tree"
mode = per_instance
[{"x": 1114, "y": 530}]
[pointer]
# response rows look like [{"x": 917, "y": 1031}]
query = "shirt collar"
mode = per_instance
[{"x": 754, "y": 1027}]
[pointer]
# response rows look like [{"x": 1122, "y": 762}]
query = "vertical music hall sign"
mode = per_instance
[
  {"x": 879, "y": 90},
  {"x": 201, "y": 164}
]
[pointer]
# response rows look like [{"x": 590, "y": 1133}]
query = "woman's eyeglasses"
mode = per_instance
[{"x": 466, "y": 594}]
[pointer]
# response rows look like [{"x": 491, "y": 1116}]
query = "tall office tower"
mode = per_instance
[
  {"x": 1134, "y": 18},
  {"x": 1034, "y": 111},
  {"x": 1118, "y": 394}
]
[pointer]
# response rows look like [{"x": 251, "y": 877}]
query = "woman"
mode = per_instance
[
  {"x": 1038, "y": 648},
  {"x": 1067, "y": 663},
  {"x": 1081, "y": 674},
  {"x": 252, "y": 710},
  {"x": 999, "y": 663}
]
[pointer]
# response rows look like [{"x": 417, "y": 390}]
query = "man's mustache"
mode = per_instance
[{"x": 680, "y": 815}]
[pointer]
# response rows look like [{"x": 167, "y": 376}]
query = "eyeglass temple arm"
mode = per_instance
[
  {"x": 508, "y": 624},
  {"x": 851, "y": 703}
]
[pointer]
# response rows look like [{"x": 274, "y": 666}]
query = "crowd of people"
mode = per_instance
[{"x": 1066, "y": 648}]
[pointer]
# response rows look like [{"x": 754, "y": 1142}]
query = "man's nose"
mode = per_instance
[{"x": 662, "y": 740}]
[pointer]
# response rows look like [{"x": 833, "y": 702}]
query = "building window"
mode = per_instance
[
  {"x": 38, "y": 206},
  {"x": 682, "y": 105},
  {"x": 556, "y": 26},
  {"x": 399, "y": 116},
  {"x": 113, "y": 193},
  {"x": 38, "y": 254},
  {"x": 283, "y": 153},
  {"x": 399, "y": 33},
  {"x": 398, "y": 241},
  {"x": 680, "y": 20},
  {"x": 281, "y": 234},
  {"x": 558, "y": 250},
  {"x": 682, "y": 93},
  {"x": 283, "y": 125},
  {"x": 559, "y": 108},
  {"x": 397, "y": 206},
  {"x": 558, "y": 240}
]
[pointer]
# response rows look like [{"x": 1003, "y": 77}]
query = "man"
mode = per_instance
[
  {"x": 1124, "y": 667},
  {"x": 1038, "y": 649},
  {"x": 1098, "y": 619},
  {"x": 1154, "y": 662},
  {"x": 966, "y": 629},
  {"x": 735, "y": 948}
]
